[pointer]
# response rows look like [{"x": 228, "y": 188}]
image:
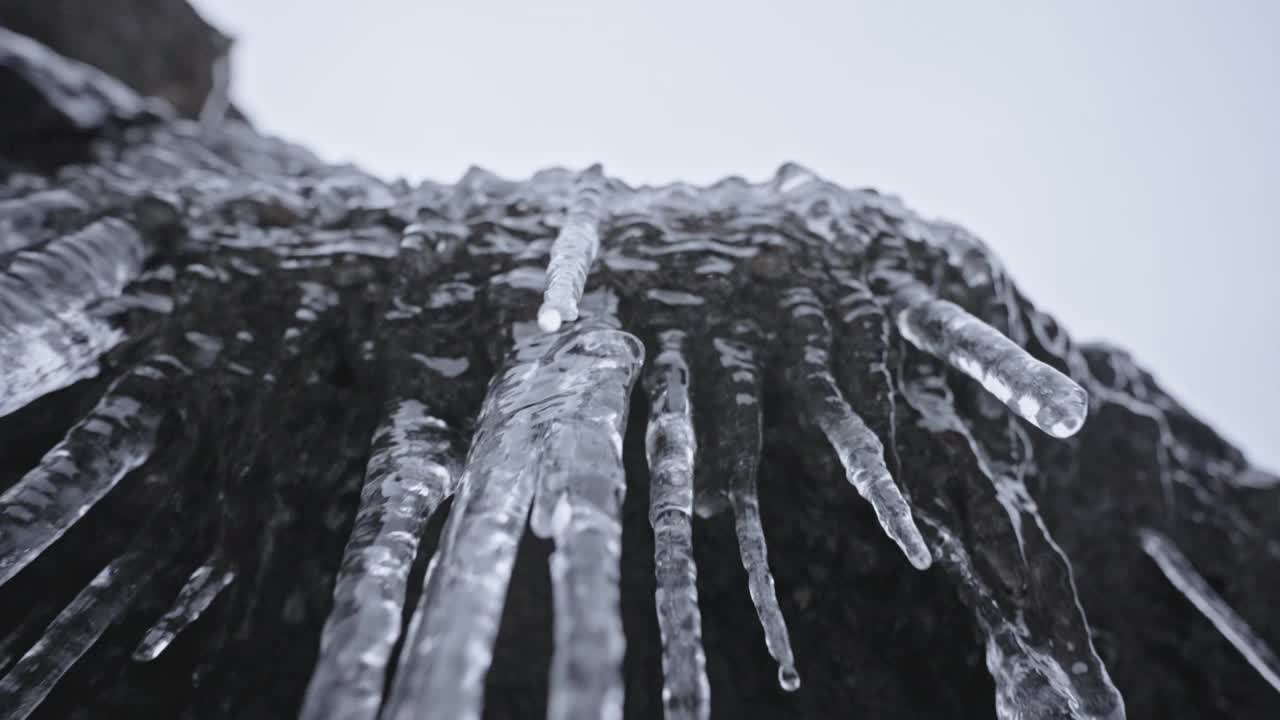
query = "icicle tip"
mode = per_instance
[
  {"x": 788, "y": 678},
  {"x": 549, "y": 318}
]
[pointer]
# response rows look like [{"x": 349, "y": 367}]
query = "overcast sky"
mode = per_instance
[{"x": 1123, "y": 158}]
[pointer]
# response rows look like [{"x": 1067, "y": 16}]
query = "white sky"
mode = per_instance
[{"x": 1123, "y": 158}]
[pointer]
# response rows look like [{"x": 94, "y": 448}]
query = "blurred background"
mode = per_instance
[{"x": 1122, "y": 158}]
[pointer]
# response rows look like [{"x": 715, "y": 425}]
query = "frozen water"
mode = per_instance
[{"x": 670, "y": 447}]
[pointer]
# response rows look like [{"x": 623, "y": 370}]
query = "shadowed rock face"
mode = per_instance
[
  {"x": 280, "y": 438},
  {"x": 161, "y": 48}
]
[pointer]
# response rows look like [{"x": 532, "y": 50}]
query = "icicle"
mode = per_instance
[
  {"x": 195, "y": 597},
  {"x": 670, "y": 446},
  {"x": 581, "y": 486},
  {"x": 411, "y": 471},
  {"x": 48, "y": 338},
  {"x": 573, "y": 252},
  {"x": 858, "y": 448},
  {"x": 1183, "y": 576},
  {"x": 23, "y": 220},
  {"x": 72, "y": 633},
  {"x": 1037, "y": 673},
  {"x": 1035, "y": 391},
  {"x": 449, "y": 644},
  {"x": 740, "y": 425},
  {"x": 117, "y": 436}
]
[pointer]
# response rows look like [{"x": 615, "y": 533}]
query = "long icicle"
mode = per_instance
[
  {"x": 118, "y": 435},
  {"x": 48, "y": 338},
  {"x": 740, "y": 434},
  {"x": 670, "y": 446},
  {"x": 196, "y": 596},
  {"x": 411, "y": 471},
  {"x": 573, "y": 251},
  {"x": 581, "y": 487},
  {"x": 1183, "y": 576},
  {"x": 449, "y": 644},
  {"x": 1035, "y": 391},
  {"x": 858, "y": 448},
  {"x": 73, "y": 632}
]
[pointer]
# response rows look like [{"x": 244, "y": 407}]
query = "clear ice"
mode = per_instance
[
  {"x": 573, "y": 252},
  {"x": 412, "y": 470},
  {"x": 49, "y": 338},
  {"x": 1183, "y": 576},
  {"x": 562, "y": 392},
  {"x": 117, "y": 436},
  {"x": 671, "y": 446},
  {"x": 1035, "y": 391},
  {"x": 199, "y": 592},
  {"x": 73, "y": 632},
  {"x": 741, "y": 427},
  {"x": 734, "y": 281},
  {"x": 860, "y": 451}
]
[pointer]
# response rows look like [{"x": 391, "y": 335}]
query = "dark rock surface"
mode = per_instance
[
  {"x": 230, "y": 320},
  {"x": 160, "y": 48}
]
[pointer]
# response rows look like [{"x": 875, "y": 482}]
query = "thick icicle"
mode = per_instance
[
  {"x": 449, "y": 644},
  {"x": 73, "y": 632},
  {"x": 581, "y": 485},
  {"x": 739, "y": 434},
  {"x": 48, "y": 338},
  {"x": 573, "y": 252},
  {"x": 1183, "y": 576},
  {"x": 1035, "y": 391},
  {"x": 411, "y": 471},
  {"x": 97, "y": 452},
  {"x": 670, "y": 446},
  {"x": 858, "y": 448},
  {"x": 195, "y": 597}
]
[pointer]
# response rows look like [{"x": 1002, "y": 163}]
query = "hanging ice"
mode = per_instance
[
  {"x": 48, "y": 339},
  {"x": 411, "y": 472},
  {"x": 739, "y": 433},
  {"x": 581, "y": 484},
  {"x": 573, "y": 252},
  {"x": 670, "y": 447},
  {"x": 1183, "y": 575},
  {"x": 195, "y": 597},
  {"x": 116, "y": 437},
  {"x": 568, "y": 380},
  {"x": 859, "y": 450},
  {"x": 72, "y": 633},
  {"x": 1037, "y": 673},
  {"x": 1035, "y": 391}
]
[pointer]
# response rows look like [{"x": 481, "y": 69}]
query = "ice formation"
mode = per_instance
[
  {"x": 241, "y": 389},
  {"x": 860, "y": 451},
  {"x": 195, "y": 597},
  {"x": 1184, "y": 577},
  {"x": 411, "y": 472},
  {"x": 740, "y": 438},
  {"x": 670, "y": 447},
  {"x": 573, "y": 252}
]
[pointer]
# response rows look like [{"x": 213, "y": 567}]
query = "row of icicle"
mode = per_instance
[{"x": 416, "y": 465}]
